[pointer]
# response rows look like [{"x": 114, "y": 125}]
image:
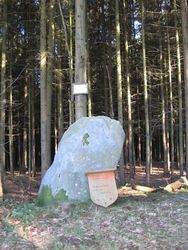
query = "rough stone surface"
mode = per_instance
[{"x": 89, "y": 144}]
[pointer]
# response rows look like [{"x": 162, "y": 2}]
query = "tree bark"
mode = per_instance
[
  {"x": 3, "y": 99},
  {"x": 11, "y": 130},
  {"x": 24, "y": 164},
  {"x": 184, "y": 12},
  {"x": 163, "y": 111},
  {"x": 59, "y": 95},
  {"x": 130, "y": 130},
  {"x": 171, "y": 105},
  {"x": 30, "y": 114},
  {"x": 71, "y": 58},
  {"x": 49, "y": 77},
  {"x": 43, "y": 88},
  {"x": 146, "y": 99},
  {"x": 80, "y": 57},
  {"x": 119, "y": 89},
  {"x": 33, "y": 132},
  {"x": 110, "y": 92},
  {"x": 118, "y": 61},
  {"x": 69, "y": 47},
  {"x": 179, "y": 96},
  {"x": 167, "y": 116}
]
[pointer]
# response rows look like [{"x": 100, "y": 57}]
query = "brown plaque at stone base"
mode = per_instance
[{"x": 102, "y": 186}]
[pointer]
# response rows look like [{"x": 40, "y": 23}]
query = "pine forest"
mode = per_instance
[{"x": 131, "y": 56}]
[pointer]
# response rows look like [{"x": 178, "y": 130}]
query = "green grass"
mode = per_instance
[{"x": 26, "y": 212}]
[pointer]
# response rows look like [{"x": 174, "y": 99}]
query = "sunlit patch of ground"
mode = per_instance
[
  {"x": 136, "y": 220},
  {"x": 156, "y": 221}
]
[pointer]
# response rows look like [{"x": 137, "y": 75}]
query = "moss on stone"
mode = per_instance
[
  {"x": 61, "y": 196},
  {"x": 46, "y": 198}
]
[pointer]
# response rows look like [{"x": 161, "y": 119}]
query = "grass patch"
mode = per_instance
[
  {"x": 26, "y": 212},
  {"x": 57, "y": 246},
  {"x": 77, "y": 210}
]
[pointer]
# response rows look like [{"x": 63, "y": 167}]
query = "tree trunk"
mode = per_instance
[
  {"x": 23, "y": 166},
  {"x": 171, "y": 107},
  {"x": 43, "y": 89},
  {"x": 109, "y": 58},
  {"x": 71, "y": 58},
  {"x": 139, "y": 143},
  {"x": 130, "y": 132},
  {"x": 163, "y": 111},
  {"x": 89, "y": 104},
  {"x": 33, "y": 134},
  {"x": 69, "y": 47},
  {"x": 49, "y": 77},
  {"x": 119, "y": 89},
  {"x": 106, "y": 89},
  {"x": 184, "y": 12},
  {"x": 146, "y": 99},
  {"x": 110, "y": 92},
  {"x": 30, "y": 114},
  {"x": 179, "y": 97},
  {"x": 151, "y": 132},
  {"x": 60, "y": 117},
  {"x": 167, "y": 117},
  {"x": 3, "y": 98},
  {"x": 80, "y": 58},
  {"x": 11, "y": 131},
  {"x": 118, "y": 61}
]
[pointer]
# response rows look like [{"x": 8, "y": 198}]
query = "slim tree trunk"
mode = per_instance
[
  {"x": 33, "y": 134},
  {"x": 139, "y": 144},
  {"x": 29, "y": 128},
  {"x": 184, "y": 12},
  {"x": 30, "y": 102},
  {"x": 163, "y": 111},
  {"x": 69, "y": 47},
  {"x": 109, "y": 66},
  {"x": 119, "y": 89},
  {"x": 3, "y": 98},
  {"x": 89, "y": 103},
  {"x": 24, "y": 165},
  {"x": 43, "y": 88},
  {"x": 106, "y": 90},
  {"x": 146, "y": 99},
  {"x": 19, "y": 141},
  {"x": 71, "y": 58},
  {"x": 11, "y": 139},
  {"x": 60, "y": 118},
  {"x": 49, "y": 77},
  {"x": 110, "y": 92},
  {"x": 130, "y": 132},
  {"x": 151, "y": 132},
  {"x": 167, "y": 118},
  {"x": 179, "y": 96},
  {"x": 171, "y": 106},
  {"x": 118, "y": 61},
  {"x": 89, "y": 85}
]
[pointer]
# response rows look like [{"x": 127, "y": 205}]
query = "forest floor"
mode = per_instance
[{"x": 135, "y": 221}]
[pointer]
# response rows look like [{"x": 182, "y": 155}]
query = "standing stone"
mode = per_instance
[{"x": 90, "y": 144}]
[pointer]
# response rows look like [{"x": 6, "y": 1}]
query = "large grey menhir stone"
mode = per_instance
[{"x": 89, "y": 144}]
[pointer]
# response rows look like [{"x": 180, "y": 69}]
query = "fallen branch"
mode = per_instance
[
  {"x": 143, "y": 188},
  {"x": 174, "y": 186}
]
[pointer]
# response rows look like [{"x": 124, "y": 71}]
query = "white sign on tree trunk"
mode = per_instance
[{"x": 80, "y": 89}]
